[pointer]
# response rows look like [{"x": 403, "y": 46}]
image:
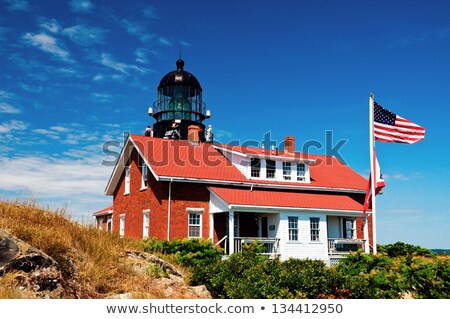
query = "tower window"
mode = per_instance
[
  {"x": 270, "y": 169},
  {"x": 255, "y": 167},
  {"x": 287, "y": 171}
]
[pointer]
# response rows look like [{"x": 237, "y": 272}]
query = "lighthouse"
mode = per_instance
[{"x": 179, "y": 107}]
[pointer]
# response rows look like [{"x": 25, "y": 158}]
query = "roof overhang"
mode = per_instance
[
  {"x": 278, "y": 209},
  {"x": 267, "y": 156},
  {"x": 120, "y": 165}
]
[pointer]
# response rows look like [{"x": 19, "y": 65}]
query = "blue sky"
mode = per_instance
[{"x": 78, "y": 73}]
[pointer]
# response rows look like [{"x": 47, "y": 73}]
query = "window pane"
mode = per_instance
[
  {"x": 286, "y": 170},
  {"x": 270, "y": 169},
  {"x": 314, "y": 225},
  {"x": 301, "y": 172},
  {"x": 255, "y": 167},
  {"x": 293, "y": 228},
  {"x": 194, "y": 226}
]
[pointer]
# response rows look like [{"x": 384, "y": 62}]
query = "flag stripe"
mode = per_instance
[{"x": 389, "y": 127}]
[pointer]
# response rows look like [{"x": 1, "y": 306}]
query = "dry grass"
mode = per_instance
[{"x": 93, "y": 262}]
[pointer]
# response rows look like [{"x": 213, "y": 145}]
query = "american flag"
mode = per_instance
[{"x": 389, "y": 127}]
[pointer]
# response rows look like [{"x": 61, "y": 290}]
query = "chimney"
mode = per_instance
[
  {"x": 289, "y": 144},
  {"x": 193, "y": 134}
]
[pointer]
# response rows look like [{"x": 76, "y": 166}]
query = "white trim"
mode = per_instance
[
  {"x": 195, "y": 211},
  {"x": 256, "y": 185},
  {"x": 145, "y": 226},
  {"x": 118, "y": 167},
  {"x": 276, "y": 209},
  {"x": 127, "y": 180},
  {"x": 122, "y": 225},
  {"x": 144, "y": 173},
  {"x": 270, "y": 156}
]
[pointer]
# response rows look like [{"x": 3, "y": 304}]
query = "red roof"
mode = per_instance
[
  {"x": 104, "y": 211},
  {"x": 176, "y": 158},
  {"x": 205, "y": 163},
  {"x": 326, "y": 171},
  {"x": 285, "y": 198}
]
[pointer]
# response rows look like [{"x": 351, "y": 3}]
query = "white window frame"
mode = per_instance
[
  {"x": 145, "y": 223},
  {"x": 287, "y": 171},
  {"x": 197, "y": 212},
  {"x": 127, "y": 180},
  {"x": 274, "y": 168},
  {"x": 122, "y": 225},
  {"x": 312, "y": 221},
  {"x": 255, "y": 168},
  {"x": 301, "y": 177},
  {"x": 293, "y": 231},
  {"x": 109, "y": 224},
  {"x": 344, "y": 228},
  {"x": 144, "y": 172}
]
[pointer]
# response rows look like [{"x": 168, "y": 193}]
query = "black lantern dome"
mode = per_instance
[{"x": 180, "y": 101}]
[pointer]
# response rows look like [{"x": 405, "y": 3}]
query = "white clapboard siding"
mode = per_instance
[{"x": 304, "y": 248}]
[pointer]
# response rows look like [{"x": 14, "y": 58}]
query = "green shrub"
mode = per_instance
[
  {"x": 187, "y": 252},
  {"x": 401, "y": 249}
]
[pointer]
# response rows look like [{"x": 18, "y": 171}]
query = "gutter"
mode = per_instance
[
  {"x": 266, "y": 186},
  {"x": 168, "y": 210}
]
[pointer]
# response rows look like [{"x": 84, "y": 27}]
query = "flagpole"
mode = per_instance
[{"x": 373, "y": 172}]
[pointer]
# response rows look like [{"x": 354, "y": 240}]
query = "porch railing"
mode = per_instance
[
  {"x": 271, "y": 245},
  {"x": 339, "y": 246}
]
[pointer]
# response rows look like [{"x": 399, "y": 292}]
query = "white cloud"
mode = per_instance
[
  {"x": 84, "y": 35},
  {"x": 185, "y": 44},
  {"x": 81, "y": 5},
  {"x": 150, "y": 12},
  {"x": 164, "y": 41},
  {"x": 79, "y": 181},
  {"x": 137, "y": 29},
  {"x": 51, "y": 25},
  {"x": 17, "y": 5},
  {"x": 141, "y": 56},
  {"x": 109, "y": 62},
  {"x": 48, "y": 44},
  {"x": 6, "y": 95},
  {"x": 8, "y": 108},
  {"x": 101, "y": 97},
  {"x": 13, "y": 125}
]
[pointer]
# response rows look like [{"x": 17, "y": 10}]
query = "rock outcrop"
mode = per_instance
[
  {"x": 38, "y": 275},
  {"x": 33, "y": 270}
]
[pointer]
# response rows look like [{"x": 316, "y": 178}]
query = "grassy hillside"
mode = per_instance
[{"x": 93, "y": 263}]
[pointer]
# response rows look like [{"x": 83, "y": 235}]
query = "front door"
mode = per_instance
[{"x": 264, "y": 227}]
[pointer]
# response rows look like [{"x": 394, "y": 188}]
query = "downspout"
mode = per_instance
[{"x": 168, "y": 209}]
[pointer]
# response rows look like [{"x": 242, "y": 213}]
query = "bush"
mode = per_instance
[
  {"x": 401, "y": 249},
  {"x": 187, "y": 252}
]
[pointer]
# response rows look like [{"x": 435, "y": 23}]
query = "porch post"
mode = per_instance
[
  {"x": 211, "y": 227},
  {"x": 231, "y": 231},
  {"x": 366, "y": 234}
]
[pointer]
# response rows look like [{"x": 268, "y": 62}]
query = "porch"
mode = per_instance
[{"x": 271, "y": 246}]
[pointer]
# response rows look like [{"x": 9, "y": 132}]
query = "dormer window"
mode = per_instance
[
  {"x": 270, "y": 169},
  {"x": 301, "y": 172},
  {"x": 287, "y": 171},
  {"x": 255, "y": 167}
]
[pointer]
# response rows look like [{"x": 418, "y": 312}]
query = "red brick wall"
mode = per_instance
[
  {"x": 360, "y": 230},
  {"x": 155, "y": 198}
]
